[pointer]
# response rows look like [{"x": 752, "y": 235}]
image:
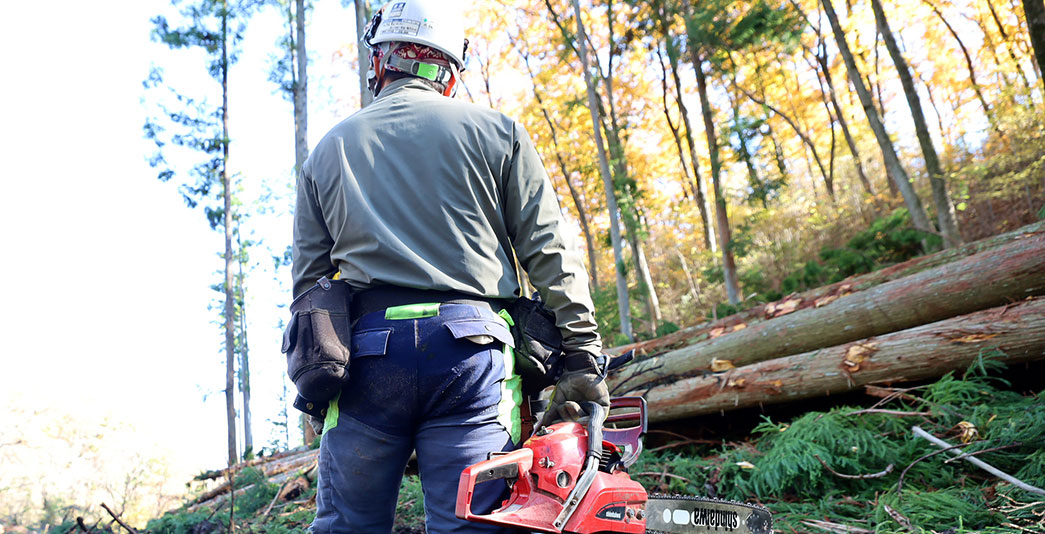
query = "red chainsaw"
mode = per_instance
[{"x": 572, "y": 478}]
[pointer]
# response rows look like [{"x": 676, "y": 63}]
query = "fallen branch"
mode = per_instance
[
  {"x": 897, "y": 413},
  {"x": 117, "y": 519},
  {"x": 963, "y": 455},
  {"x": 837, "y": 528},
  {"x": 903, "y": 521},
  {"x": 980, "y": 463},
  {"x": 83, "y": 527},
  {"x": 888, "y": 469},
  {"x": 899, "y": 483},
  {"x": 264, "y": 516}
]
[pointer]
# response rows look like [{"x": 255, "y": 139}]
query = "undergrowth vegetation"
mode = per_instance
[
  {"x": 806, "y": 471},
  {"x": 800, "y": 469}
]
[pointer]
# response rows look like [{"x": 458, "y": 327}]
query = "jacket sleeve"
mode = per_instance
[
  {"x": 546, "y": 247},
  {"x": 312, "y": 240}
]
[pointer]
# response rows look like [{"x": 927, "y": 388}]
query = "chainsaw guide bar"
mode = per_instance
[{"x": 684, "y": 514}]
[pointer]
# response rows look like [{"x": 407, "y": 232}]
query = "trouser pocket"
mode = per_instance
[{"x": 317, "y": 341}]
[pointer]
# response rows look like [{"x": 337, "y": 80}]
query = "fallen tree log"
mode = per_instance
[
  {"x": 218, "y": 473},
  {"x": 817, "y": 297},
  {"x": 305, "y": 470},
  {"x": 994, "y": 277},
  {"x": 268, "y": 470},
  {"x": 928, "y": 351},
  {"x": 260, "y": 460}
]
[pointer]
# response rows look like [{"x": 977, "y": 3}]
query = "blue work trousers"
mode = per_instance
[{"x": 435, "y": 381}]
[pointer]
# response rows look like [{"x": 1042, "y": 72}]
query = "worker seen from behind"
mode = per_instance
[{"x": 417, "y": 203}]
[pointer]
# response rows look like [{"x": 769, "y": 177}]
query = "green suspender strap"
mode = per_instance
[
  {"x": 332, "y": 414},
  {"x": 508, "y": 410}
]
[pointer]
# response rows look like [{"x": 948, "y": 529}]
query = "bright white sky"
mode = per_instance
[{"x": 105, "y": 272}]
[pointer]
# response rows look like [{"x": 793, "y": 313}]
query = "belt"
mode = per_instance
[{"x": 382, "y": 297}]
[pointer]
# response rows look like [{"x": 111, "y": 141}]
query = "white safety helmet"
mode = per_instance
[{"x": 438, "y": 24}]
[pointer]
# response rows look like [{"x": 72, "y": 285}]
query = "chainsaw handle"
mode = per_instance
[
  {"x": 596, "y": 418},
  {"x": 510, "y": 465}
]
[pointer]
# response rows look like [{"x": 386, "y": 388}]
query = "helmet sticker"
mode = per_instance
[
  {"x": 400, "y": 27},
  {"x": 397, "y": 9}
]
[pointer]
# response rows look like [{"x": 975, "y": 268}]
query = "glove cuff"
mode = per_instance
[{"x": 581, "y": 361}]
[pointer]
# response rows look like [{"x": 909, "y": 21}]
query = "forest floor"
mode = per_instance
[{"x": 851, "y": 464}]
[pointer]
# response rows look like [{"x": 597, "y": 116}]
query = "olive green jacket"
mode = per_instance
[{"x": 423, "y": 191}]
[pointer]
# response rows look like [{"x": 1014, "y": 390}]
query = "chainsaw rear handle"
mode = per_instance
[{"x": 506, "y": 466}]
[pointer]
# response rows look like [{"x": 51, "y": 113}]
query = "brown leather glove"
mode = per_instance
[{"x": 582, "y": 381}]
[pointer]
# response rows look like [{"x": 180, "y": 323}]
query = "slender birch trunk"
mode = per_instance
[
  {"x": 944, "y": 207},
  {"x": 892, "y": 161},
  {"x": 226, "y": 194},
  {"x": 729, "y": 266},
  {"x": 300, "y": 89},
  {"x": 607, "y": 180},
  {"x": 362, "y": 17}
]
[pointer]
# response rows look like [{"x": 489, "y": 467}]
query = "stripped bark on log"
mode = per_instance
[
  {"x": 1005, "y": 274},
  {"x": 920, "y": 353},
  {"x": 819, "y": 297}
]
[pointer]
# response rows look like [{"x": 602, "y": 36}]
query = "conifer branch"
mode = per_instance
[{"x": 888, "y": 469}]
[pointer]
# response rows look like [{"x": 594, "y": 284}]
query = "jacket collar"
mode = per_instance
[{"x": 405, "y": 84}]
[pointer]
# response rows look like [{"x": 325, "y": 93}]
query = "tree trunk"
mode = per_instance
[
  {"x": 1008, "y": 44},
  {"x": 801, "y": 135},
  {"x": 300, "y": 89},
  {"x": 825, "y": 69},
  {"x": 226, "y": 194},
  {"x": 744, "y": 153},
  {"x": 1034, "y": 11},
  {"x": 821, "y": 295},
  {"x": 694, "y": 291},
  {"x": 987, "y": 110},
  {"x": 362, "y": 17},
  {"x": 607, "y": 180},
  {"x": 921, "y": 353},
  {"x": 944, "y": 207},
  {"x": 892, "y": 162},
  {"x": 699, "y": 187},
  {"x": 630, "y": 210},
  {"x": 578, "y": 201},
  {"x": 725, "y": 234},
  {"x": 652, "y": 301},
  {"x": 244, "y": 352},
  {"x": 675, "y": 135},
  {"x": 993, "y": 278}
]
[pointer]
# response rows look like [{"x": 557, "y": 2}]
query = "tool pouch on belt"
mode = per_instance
[
  {"x": 317, "y": 340},
  {"x": 538, "y": 344}
]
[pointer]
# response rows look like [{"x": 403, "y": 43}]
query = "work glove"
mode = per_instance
[
  {"x": 317, "y": 425},
  {"x": 581, "y": 381}
]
